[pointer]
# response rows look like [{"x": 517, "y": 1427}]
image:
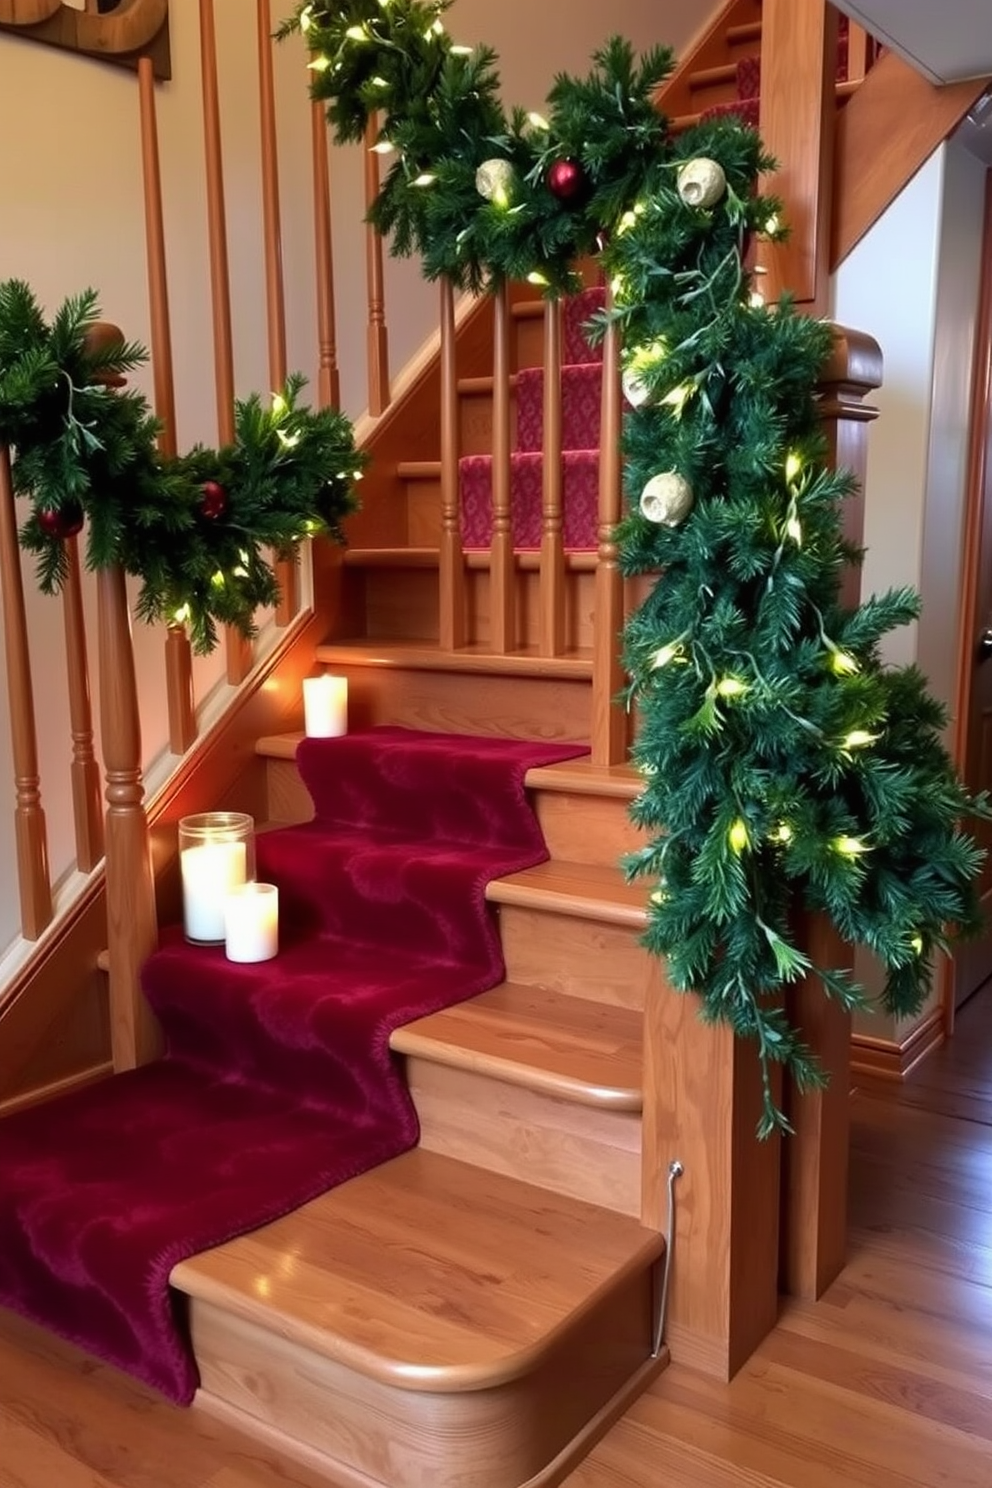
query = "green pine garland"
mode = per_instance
[
  {"x": 85, "y": 452},
  {"x": 785, "y": 767}
]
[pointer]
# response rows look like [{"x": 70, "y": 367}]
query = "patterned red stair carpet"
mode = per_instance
[
  {"x": 581, "y": 382},
  {"x": 277, "y": 1082}
]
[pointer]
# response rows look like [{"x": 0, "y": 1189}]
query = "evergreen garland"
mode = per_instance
[
  {"x": 785, "y": 767},
  {"x": 193, "y": 529}
]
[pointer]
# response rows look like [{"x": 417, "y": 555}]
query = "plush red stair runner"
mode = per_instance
[
  {"x": 278, "y": 1082},
  {"x": 581, "y": 384}
]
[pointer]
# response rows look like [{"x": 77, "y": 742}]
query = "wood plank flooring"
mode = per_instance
[{"x": 885, "y": 1383}]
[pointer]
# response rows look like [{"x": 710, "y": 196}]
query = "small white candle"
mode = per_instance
[
  {"x": 251, "y": 920},
  {"x": 325, "y": 706},
  {"x": 209, "y": 874}
]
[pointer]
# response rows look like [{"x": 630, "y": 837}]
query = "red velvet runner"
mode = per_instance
[{"x": 278, "y": 1082}]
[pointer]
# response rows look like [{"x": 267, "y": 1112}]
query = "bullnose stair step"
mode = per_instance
[
  {"x": 586, "y": 891},
  {"x": 566, "y": 1047},
  {"x": 396, "y": 1326},
  {"x": 418, "y": 657}
]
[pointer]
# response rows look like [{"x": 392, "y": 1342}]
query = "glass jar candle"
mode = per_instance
[{"x": 216, "y": 855}]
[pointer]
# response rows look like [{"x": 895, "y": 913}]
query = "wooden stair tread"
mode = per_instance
[
  {"x": 585, "y": 890},
  {"x": 526, "y": 561},
  {"x": 425, "y": 1273},
  {"x": 706, "y": 76},
  {"x": 743, "y": 33},
  {"x": 581, "y": 1051},
  {"x": 421, "y": 656},
  {"x": 582, "y": 777}
]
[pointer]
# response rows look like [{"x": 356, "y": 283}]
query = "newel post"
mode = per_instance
[
  {"x": 815, "y": 1160},
  {"x": 132, "y": 928}
]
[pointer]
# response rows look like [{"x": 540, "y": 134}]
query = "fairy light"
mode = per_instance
[
  {"x": 917, "y": 944},
  {"x": 383, "y": 147},
  {"x": 842, "y": 662},
  {"x": 182, "y": 614},
  {"x": 738, "y": 836},
  {"x": 218, "y": 580},
  {"x": 306, "y": 18},
  {"x": 357, "y": 33},
  {"x": 665, "y": 655},
  {"x": 279, "y": 405},
  {"x": 289, "y": 441},
  {"x": 793, "y": 467},
  {"x": 627, "y": 221},
  {"x": 538, "y": 121},
  {"x": 461, "y": 51},
  {"x": 617, "y": 285},
  {"x": 536, "y": 277},
  {"x": 756, "y": 300},
  {"x": 850, "y": 847},
  {"x": 678, "y": 398},
  {"x": 426, "y": 178},
  {"x": 731, "y": 687},
  {"x": 859, "y": 739},
  {"x": 319, "y": 64},
  {"x": 783, "y": 834},
  {"x": 793, "y": 529}
]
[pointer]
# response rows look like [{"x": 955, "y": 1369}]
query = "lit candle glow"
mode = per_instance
[
  {"x": 251, "y": 922},
  {"x": 209, "y": 874},
  {"x": 325, "y": 706}
]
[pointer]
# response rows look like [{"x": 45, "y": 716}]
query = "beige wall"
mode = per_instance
[
  {"x": 913, "y": 284},
  {"x": 71, "y": 216}
]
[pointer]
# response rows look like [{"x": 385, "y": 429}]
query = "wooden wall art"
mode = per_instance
[{"x": 110, "y": 30}]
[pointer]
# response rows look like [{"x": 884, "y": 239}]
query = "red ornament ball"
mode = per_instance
[
  {"x": 61, "y": 522},
  {"x": 566, "y": 179},
  {"x": 213, "y": 500}
]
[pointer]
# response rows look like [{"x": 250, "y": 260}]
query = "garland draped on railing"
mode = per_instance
[{"x": 199, "y": 531}]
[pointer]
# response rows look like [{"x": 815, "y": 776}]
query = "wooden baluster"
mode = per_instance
[
  {"x": 814, "y": 1173},
  {"x": 858, "y": 52},
  {"x": 328, "y": 377},
  {"x": 87, "y": 809},
  {"x": 502, "y": 595},
  {"x": 131, "y": 924},
  {"x": 378, "y": 343},
  {"x": 33, "y": 881},
  {"x": 552, "y": 576},
  {"x": 275, "y": 293},
  {"x": 451, "y": 559},
  {"x": 178, "y": 654},
  {"x": 798, "y": 69},
  {"x": 609, "y": 722},
  {"x": 237, "y": 649}
]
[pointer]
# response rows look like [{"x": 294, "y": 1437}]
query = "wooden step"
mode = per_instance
[
  {"x": 567, "y": 1047},
  {"x": 748, "y": 34},
  {"x": 413, "y": 656},
  {"x": 428, "y": 1325},
  {"x": 528, "y": 561},
  {"x": 584, "y": 891}
]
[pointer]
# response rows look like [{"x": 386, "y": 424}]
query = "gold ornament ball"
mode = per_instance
[
  {"x": 667, "y": 499},
  {"x": 495, "y": 180},
  {"x": 702, "y": 182}
]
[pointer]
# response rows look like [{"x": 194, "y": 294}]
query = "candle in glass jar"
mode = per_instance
[
  {"x": 209, "y": 874},
  {"x": 251, "y": 922},
  {"x": 325, "y": 706}
]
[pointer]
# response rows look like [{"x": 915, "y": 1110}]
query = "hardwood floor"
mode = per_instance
[{"x": 885, "y": 1383}]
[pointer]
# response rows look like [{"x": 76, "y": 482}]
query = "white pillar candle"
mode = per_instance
[
  {"x": 325, "y": 706},
  {"x": 209, "y": 874},
  {"x": 251, "y": 921}
]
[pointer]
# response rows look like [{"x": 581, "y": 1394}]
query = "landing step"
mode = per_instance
[
  {"x": 583, "y": 777},
  {"x": 580, "y": 1051},
  {"x": 586, "y": 891},
  {"x": 526, "y": 561},
  {"x": 426, "y": 1325},
  {"x": 414, "y": 656}
]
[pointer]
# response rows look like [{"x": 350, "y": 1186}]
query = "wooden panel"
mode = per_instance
[
  {"x": 798, "y": 66},
  {"x": 702, "y": 1101},
  {"x": 585, "y": 829},
  {"x": 288, "y": 798},
  {"x": 581, "y": 958},
  {"x": 578, "y": 1150},
  {"x": 890, "y": 127}
]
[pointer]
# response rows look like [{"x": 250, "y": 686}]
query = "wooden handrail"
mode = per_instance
[
  {"x": 451, "y": 559},
  {"x": 502, "y": 596},
  {"x": 328, "y": 377},
  {"x": 552, "y": 573},
  {"x": 609, "y": 723},
  {"x": 87, "y": 810},
  {"x": 178, "y": 653},
  {"x": 34, "y": 884},
  {"x": 238, "y": 650},
  {"x": 275, "y": 292},
  {"x": 378, "y": 340}
]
